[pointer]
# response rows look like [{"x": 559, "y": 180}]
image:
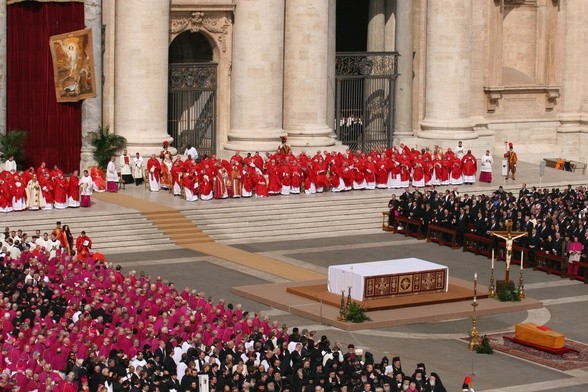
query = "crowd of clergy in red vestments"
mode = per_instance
[
  {"x": 46, "y": 189},
  {"x": 79, "y": 324},
  {"x": 283, "y": 173}
]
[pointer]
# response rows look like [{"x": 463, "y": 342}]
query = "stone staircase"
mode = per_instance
[
  {"x": 111, "y": 232},
  {"x": 239, "y": 221}
]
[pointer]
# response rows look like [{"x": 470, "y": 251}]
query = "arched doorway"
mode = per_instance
[
  {"x": 364, "y": 92},
  {"x": 192, "y": 93}
]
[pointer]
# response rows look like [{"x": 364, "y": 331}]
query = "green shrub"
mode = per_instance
[
  {"x": 12, "y": 144},
  {"x": 508, "y": 294},
  {"x": 484, "y": 347},
  {"x": 356, "y": 314}
]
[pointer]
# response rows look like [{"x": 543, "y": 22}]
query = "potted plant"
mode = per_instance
[
  {"x": 12, "y": 144},
  {"x": 106, "y": 144}
]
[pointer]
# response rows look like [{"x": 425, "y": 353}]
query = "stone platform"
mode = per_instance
[{"x": 325, "y": 309}]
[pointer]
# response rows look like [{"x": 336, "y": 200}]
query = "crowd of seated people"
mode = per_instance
[
  {"x": 283, "y": 173},
  {"x": 80, "y": 324},
  {"x": 555, "y": 219}
]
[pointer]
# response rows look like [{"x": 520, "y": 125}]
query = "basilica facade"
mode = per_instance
[{"x": 226, "y": 75}]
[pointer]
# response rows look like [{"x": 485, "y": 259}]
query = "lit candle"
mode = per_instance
[
  {"x": 351, "y": 277},
  {"x": 343, "y": 281},
  {"x": 522, "y": 262},
  {"x": 492, "y": 258},
  {"x": 475, "y": 276}
]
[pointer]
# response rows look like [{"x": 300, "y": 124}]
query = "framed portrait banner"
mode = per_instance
[{"x": 73, "y": 65}]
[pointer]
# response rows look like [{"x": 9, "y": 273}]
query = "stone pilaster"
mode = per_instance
[
  {"x": 3, "y": 61},
  {"x": 376, "y": 26},
  {"x": 584, "y": 60},
  {"x": 257, "y": 76},
  {"x": 305, "y": 73},
  {"x": 572, "y": 77},
  {"x": 92, "y": 108},
  {"x": 447, "y": 79},
  {"x": 390, "y": 26},
  {"x": 141, "y": 73},
  {"x": 403, "y": 87},
  {"x": 331, "y": 60}
]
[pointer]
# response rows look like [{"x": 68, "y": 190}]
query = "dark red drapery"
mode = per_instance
[{"x": 55, "y": 129}]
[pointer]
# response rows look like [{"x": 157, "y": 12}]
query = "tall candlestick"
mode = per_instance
[
  {"x": 343, "y": 281},
  {"x": 492, "y": 258},
  {"x": 475, "y": 286},
  {"x": 522, "y": 261}
]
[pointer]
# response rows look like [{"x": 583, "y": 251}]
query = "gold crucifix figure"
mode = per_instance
[{"x": 509, "y": 236}]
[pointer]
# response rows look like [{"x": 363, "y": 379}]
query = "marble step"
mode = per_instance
[
  {"x": 272, "y": 231},
  {"x": 285, "y": 213},
  {"x": 271, "y": 216},
  {"x": 231, "y": 239},
  {"x": 292, "y": 224},
  {"x": 280, "y": 203}
]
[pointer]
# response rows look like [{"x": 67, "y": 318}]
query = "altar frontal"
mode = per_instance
[{"x": 388, "y": 278}]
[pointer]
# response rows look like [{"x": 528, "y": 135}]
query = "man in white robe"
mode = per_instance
[
  {"x": 125, "y": 168},
  {"x": 10, "y": 165},
  {"x": 138, "y": 168},
  {"x": 86, "y": 187},
  {"x": 111, "y": 176},
  {"x": 35, "y": 199},
  {"x": 191, "y": 152}
]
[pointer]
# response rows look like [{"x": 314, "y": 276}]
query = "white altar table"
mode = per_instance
[{"x": 388, "y": 278}]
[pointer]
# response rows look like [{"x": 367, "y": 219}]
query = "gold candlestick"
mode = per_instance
[
  {"x": 342, "y": 312},
  {"x": 474, "y": 334},
  {"x": 521, "y": 286},
  {"x": 348, "y": 304},
  {"x": 492, "y": 285}
]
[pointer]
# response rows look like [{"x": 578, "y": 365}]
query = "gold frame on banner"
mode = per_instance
[{"x": 73, "y": 65}]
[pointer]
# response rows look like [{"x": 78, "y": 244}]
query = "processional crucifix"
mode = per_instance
[{"x": 509, "y": 236}]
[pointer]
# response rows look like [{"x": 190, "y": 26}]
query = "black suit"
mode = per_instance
[
  {"x": 533, "y": 244},
  {"x": 462, "y": 227},
  {"x": 558, "y": 247}
]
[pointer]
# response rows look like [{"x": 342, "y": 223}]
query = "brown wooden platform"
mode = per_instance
[
  {"x": 277, "y": 296},
  {"x": 455, "y": 293}
]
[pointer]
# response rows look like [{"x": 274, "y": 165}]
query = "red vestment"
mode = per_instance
[
  {"x": 154, "y": 168},
  {"x": 74, "y": 188},
  {"x": 61, "y": 189}
]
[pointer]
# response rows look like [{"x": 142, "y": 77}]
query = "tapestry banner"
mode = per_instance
[
  {"x": 73, "y": 65},
  {"x": 44, "y": 1},
  {"x": 394, "y": 285}
]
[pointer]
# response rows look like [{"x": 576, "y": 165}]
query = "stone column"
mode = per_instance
[
  {"x": 92, "y": 108},
  {"x": 447, "y": 78},
  {"x": 257, "y": 76},
  {"x": 3, "y": 69},
  {"x": 305, "y": 73},
  {"x": 403, "y": 87},
  {"x": 141, "y": 73},
  {"x": 376, "y": 26},
  {"x": 574, "y": 56},
  {"x": 331, "y": 60}
]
